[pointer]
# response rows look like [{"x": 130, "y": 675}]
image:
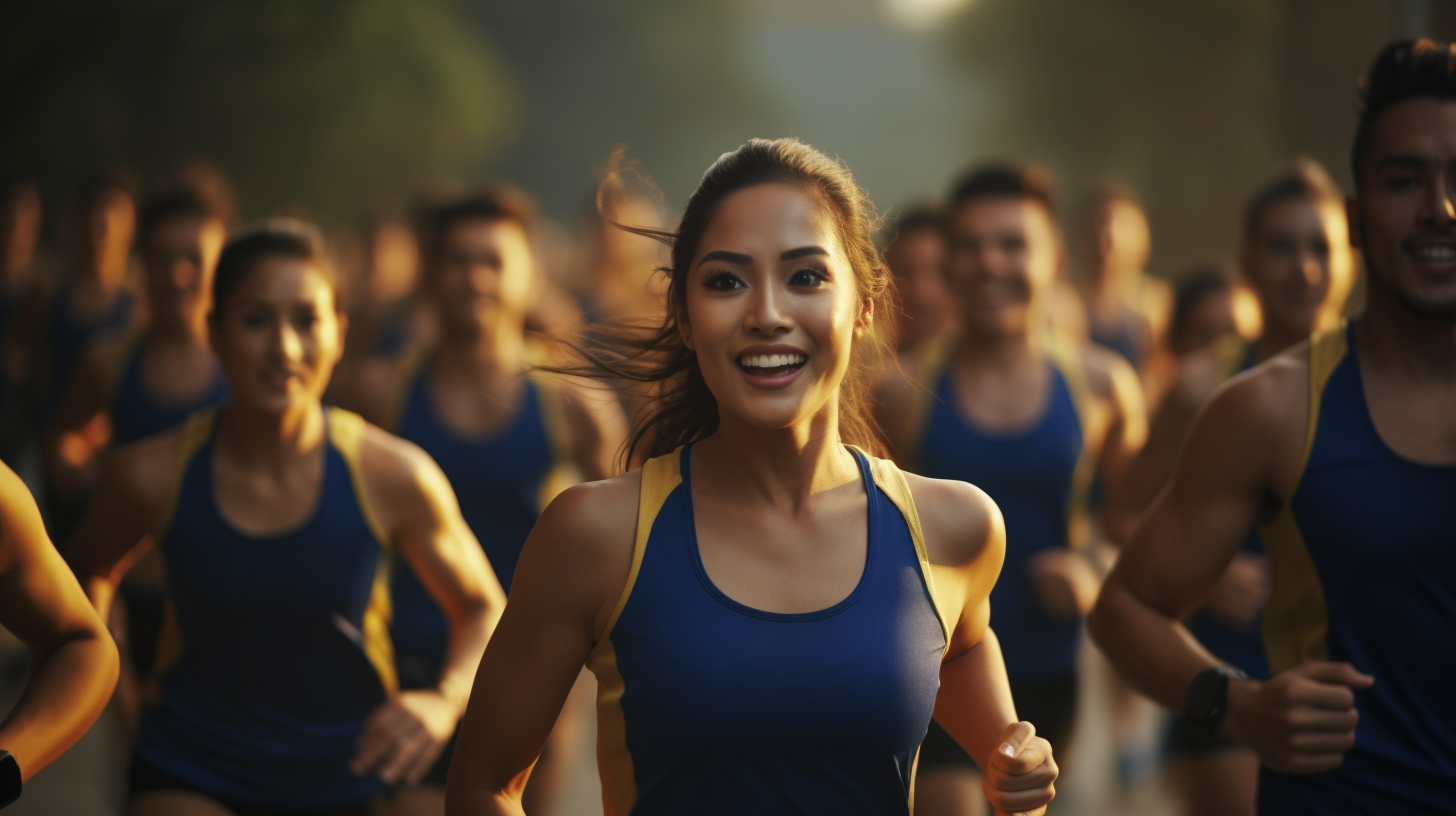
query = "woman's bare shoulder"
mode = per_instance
[{"x": 962, "y": 525}]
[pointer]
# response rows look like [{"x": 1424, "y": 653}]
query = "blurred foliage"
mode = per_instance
[
  {"x": 320, "y": 106},
  {"x": 1191, "y": 102},
  {"x": 664, "y": 77}
]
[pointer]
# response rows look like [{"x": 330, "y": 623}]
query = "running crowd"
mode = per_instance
[{"x": 824, "y": 516}]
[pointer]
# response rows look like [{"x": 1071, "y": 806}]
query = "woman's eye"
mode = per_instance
[
  {"x": 1403, "y": 182},
  {"x": 724, "y": 281},
  {"x": 808, "y": 277},
  {"x": 255, "y": 321},
  {"x": 305, "y": 322}
]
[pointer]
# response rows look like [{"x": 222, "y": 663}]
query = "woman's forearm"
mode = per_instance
[
  {"x": 67, "y": 690},
  {"x": 974, "y": 705}
]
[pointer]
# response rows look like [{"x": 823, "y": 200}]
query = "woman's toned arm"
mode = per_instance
[
  {"x": 966, "y": 542},
  {"x": 567, "y": 583},
  {"x": 413, "y": 499},
  {"x": 74, "y": 662}
]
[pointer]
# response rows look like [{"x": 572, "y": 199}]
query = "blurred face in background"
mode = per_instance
[
  {"x": 917, "y": 261},
  {"x": 481, "y": 277},
  {"x": 393, "y": 262},
  {"x": 107, "y": 229},
  {"x": 1119, "y": 237},
  {"x": 19, "y": 229},
  {"x": 180, "y": 255},
  {"x": 1003, "y": 259},
  {"x": 1210, "y": 319},
  {"x": 1300, "y": 265},
  {"x": 278, "y": 336}
]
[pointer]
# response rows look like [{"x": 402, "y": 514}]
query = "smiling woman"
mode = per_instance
[
  {"x": 772, "y": 614},
  {"x": 274, "y": 688}
]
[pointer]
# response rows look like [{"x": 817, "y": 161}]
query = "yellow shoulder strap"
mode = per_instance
[
  {"x": 925, "y": 370},
  {"x": 196, "y": 430},
  {"x": 1068, "y": 360},
  {"x": 1296, "y": 619},
  {"x": 411, "y": 364},
  {"x": 891, "y": 479},
  {"x": 346, "y": 434},
  {"x": 1231, "y": 353},
  {"x": 563, "y": 473}
]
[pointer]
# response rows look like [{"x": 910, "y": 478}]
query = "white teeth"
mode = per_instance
[
  {"x": 770, "y": 360},
  {"x": 1435, "y": 253}
]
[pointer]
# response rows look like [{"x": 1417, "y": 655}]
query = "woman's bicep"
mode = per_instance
[{"x": 543, "y": 640}]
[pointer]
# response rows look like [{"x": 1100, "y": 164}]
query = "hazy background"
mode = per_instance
[{"x": 335, "y": 108}]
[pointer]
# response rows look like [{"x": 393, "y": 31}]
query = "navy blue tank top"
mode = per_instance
[
  {"x": 274, "y": 649},
  {"x": 136, "y": 414},
  {"x": 498, "y": 480},
  {"x": 708, "y": 706},
  {"x": 1364, "y": 564},
  {"x": 1238, "y": 647},
  {"x": 68, "y": 338},
  {"x": 1032, "y": 476}
]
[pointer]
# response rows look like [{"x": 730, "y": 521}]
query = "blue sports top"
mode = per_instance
[
  {"x": 1363, "y": 558},
  {"x": 1239, "y": 647},
  {"x": 69, "y": 337},
  {"x": 1039, "y": 477},
  {"x": 136, "y": 414},
  {"x": 708, "y": 706},
  {"x": 501, "y": 480},
  {"x": 274, "y": 649}
]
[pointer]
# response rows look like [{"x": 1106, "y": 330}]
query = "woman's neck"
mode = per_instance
[
  {"x": 497, "y": 352},
  {"x": 270, "y": 442},
  {"x": 783, "y": 466}
]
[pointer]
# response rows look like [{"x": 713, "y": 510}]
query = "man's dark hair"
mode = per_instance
[
  {"x": 1406, "y": 69},
  {"x": 919, "y": 215},
  {"x": 176, "y": 202},
  {"x": 497, "y": 202},
  {"x": 1304, "y": 178},
  {"x": 1004, "y": 179}
]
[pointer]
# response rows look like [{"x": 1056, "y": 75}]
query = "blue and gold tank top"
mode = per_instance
[
  {"x": 274, "y": 649},
  {"x": 69, "y": 336},
  {"x": 708, "y": 706},
  {"x": 1238, "y": 647},
  {"x": 1363, "y": 558},
  {"x": 502, "y": 481},
  {"x": 136, "y": 414},
  {"x": 1039, "y": 476}
]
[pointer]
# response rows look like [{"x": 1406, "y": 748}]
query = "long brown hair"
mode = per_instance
[{"x": 678, "y": 407}]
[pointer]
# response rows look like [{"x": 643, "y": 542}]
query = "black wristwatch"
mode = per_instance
[
  {"x": 9, "y": 779},
  {"x": 1208, "y": 697}
]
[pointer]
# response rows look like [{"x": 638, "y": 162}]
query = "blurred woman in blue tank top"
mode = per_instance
[
  {"x": 772, "y": 615},
  {"x": 277, "y": 518},
  {"x": 507, "y": 438}
]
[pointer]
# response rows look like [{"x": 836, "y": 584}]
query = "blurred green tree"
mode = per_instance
[{"x": 325, "y": 106}]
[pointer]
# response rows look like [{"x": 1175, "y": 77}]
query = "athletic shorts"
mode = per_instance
[
  {"x": 145, "y": 777},
  {"x": 1049, "y": 703}
]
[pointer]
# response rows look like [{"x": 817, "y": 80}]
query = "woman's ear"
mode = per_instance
[{"x": 865, "y": 319}]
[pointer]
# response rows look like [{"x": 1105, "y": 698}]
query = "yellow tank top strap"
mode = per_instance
[
  {"x": 1067, "y": 359},
  {"x": 195, "y": 432},
  {"x": 891, "y": 479},
  {"x": 410, "y": 365},
  {"x": 1296, "y": 619},
  {"x": 346, "y": 434},
  {"x": 925, "y": 369}
]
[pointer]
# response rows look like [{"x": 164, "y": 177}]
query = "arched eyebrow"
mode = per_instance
[
  {"x": 745, "y": 260},
  {"x": 803, "y": 252}
]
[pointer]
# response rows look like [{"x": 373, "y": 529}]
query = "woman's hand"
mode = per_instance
[
  {"x": 1020, "y": 773},
  {"x": 404, "y": 736}
]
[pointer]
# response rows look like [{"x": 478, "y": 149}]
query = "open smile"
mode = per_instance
[{"x": 771, "y": 368}]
